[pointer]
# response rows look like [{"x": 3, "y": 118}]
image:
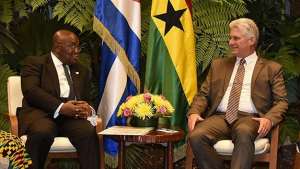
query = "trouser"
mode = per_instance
[
  {"x": 81, "y": 133},
  {"x": 214, "y": 128}
]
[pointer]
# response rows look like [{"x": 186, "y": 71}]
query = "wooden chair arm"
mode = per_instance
[
  {"x": 274, "y": 139},
  {"x": 99, "y": 128},
  {"x": 14, "y": 125}
]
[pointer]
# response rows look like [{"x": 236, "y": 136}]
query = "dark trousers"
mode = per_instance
[
  {"x": 41, "y": 133},
  {"x": 214, "y": 128}
]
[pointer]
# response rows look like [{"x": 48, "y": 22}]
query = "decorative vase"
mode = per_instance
[
  {"x": 147, "y": 122},
  {"x": 164, "y": 122}
]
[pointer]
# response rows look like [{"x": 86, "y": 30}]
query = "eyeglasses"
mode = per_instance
[{"x": 72, "y": 46}]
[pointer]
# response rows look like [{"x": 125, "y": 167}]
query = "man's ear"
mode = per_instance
[{"x": 252, "y": 41}]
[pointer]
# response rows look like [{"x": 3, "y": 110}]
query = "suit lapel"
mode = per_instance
[
  {"x": 257, "y": 68},
  {"x": 53, "y": 74},
  {"x": 228, "y": 71}
]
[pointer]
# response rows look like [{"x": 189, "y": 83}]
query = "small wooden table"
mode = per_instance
[{"x": 153, "y": 137}]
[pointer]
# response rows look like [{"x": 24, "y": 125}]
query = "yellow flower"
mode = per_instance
[
  {"x": 158, "y": 101},
  {"x": 145, "y": 105},
  {"x": 143, "y": 110},
  {"x": 121, "y": 109},
  {"x": 169, "y": 107}
]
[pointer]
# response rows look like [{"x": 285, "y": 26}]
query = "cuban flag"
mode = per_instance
[{"x": 118, "y": 23}]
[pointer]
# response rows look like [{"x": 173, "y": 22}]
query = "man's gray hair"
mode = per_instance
[{"x": 247, "y": 26}]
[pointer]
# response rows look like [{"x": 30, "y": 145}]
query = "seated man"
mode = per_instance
[
  {"x": 242, "y": 98},
  {"x": 55, "y": 87}
]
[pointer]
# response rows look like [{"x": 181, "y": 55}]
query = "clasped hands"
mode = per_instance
[{"x": 76, "y": 109}]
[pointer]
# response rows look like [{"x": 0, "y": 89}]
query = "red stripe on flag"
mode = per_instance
[{"x": 189, "y": 4}]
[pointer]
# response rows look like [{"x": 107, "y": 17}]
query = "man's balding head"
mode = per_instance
[{"x": 65, "y": 46}]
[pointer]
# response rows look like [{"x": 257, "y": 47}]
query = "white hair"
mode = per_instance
[{"x": 247, "y": 26}]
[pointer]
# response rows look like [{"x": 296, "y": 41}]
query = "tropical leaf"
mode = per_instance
[
  {"x": 8, "y": 43},
  {"x": 38, "y": 3},
  {"x": 289, "y": 129},
  {"x": 11, "y": 8},
  {"x": 211, "y": 21},
  {"x": 77, "y": 13},
  {"x": 6, "y": 11}
]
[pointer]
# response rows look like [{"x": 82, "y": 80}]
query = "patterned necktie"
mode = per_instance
[
  {"x": 235, "y": 93},
  {"x": 70, "y": 82}
]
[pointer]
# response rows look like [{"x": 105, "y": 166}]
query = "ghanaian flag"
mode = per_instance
[{"x": 171, "y": 65}]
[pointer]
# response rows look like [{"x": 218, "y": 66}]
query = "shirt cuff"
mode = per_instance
[{"x": 56, "y": 113}]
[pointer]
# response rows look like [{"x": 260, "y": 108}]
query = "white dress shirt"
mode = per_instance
[
  {"x": 245, "y": 103},
  {"x": 65, "y": 88}
]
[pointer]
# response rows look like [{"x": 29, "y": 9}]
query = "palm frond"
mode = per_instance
[
  {"x": 211, "y": 21},
  {"x": 11, "y": 8},
  {"x": 38, "y": 3},
  {"x": 77, "y": 13},
  {"x": 8, "y": 43},
  {"x": 289, "y": 129},
  {"x": 6, "y": 11}
]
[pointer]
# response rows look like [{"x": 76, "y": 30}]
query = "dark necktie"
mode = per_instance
[
  {"x": 235, "y": 93},
  {"x": 70, "y": 82}
]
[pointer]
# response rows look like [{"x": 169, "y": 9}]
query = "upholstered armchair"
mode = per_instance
[{"x": 62, "y": 147}]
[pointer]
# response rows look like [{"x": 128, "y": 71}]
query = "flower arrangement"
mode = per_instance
[{"x": 145, "y": 106}]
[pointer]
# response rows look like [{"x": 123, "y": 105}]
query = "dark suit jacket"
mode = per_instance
[
  {"x": 268, "y": 91},
  {"x": 40, "y": 87}
]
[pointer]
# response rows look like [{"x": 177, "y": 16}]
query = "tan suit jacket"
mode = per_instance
[{"x": 268, "y": 91}]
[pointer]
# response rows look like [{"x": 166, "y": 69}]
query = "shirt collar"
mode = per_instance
[
  {"x": 249, "y": 59},
  {"x": 56, "y": 61}
]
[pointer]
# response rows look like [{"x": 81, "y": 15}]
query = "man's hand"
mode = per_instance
[
  {"x": 192, "y": 120},
  {"x": 86, "y": 109},
  {"x": 265, "y": 126},
  {"x": 70, "y": 109},
  {"x": 76, "y": 109}
]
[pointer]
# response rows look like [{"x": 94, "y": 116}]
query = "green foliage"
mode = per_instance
[
  {"x": 8, "y": 43},
  {"x": 38, "y": 3},
  {"x": 267, "y": 14},
  {"x": 289, "y": 129},
  {"x": 287, "y": 52},
  {"x": 211, "y": 19},
  {"x": 11, "y": 8},
  {"x": 77, "y": 13}
]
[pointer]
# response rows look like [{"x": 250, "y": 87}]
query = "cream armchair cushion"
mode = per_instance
[{"x": 225, "y": 147}]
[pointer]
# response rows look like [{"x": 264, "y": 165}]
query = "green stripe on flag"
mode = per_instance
[{"x": 161, "y": 76}]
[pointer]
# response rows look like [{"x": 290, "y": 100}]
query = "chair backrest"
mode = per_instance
[{"x": 14, "y": 94}]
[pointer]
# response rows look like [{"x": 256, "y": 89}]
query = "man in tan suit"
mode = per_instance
[{"x": 242, "y": 98}]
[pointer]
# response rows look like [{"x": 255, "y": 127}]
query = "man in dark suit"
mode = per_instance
[
  {"x": 54, "y": 88},
  {"x": 242, "y": 98}
]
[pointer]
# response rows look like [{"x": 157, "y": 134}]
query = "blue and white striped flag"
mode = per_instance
[{"x": 118, "y": 24}]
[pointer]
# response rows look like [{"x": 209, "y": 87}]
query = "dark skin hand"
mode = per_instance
[{"x": 76, "y": 109}]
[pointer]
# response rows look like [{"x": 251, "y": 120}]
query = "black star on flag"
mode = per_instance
[{"x": 171, "y": 18}]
